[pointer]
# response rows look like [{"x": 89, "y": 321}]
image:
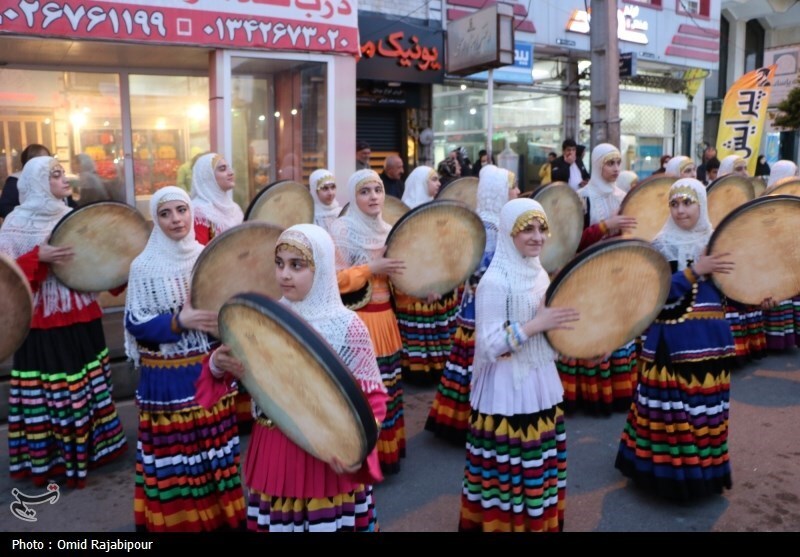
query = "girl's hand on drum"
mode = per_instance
[
  {"x": 433, "y": 297},
  {"x": 224, "y": 360},
  {"x": 384, "y": 266},
  {"x": 340, "y": 468},
  {"x": 56, "y": 255},
  {"x": 198, "y": 319},
  {"x": 768, "y": 303},
  {"x": 620, "y": 223},
  {"x": 548, "y": 319},
  {"x": 707, "y": 264}
]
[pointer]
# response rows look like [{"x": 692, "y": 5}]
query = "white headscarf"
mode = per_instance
[
  {"x": 324, "y": 215},
  {"x": 160, "y": 278},
  {"x": 416, "y": 192},
  {"x": 604, "y": 197},
  {"x": 517, "y": 283},
  {"x": 626, "y": 179},
  {"x": 323, "y": 308},
  {"x": 359, "y": 238},
  {"x": 677, "y": 244},
  {"x": 212, "y": 206},
  {"x": 780, "y": 170},
  {"x": 676, "y": 165},
  {"x": 492, "y": 195},
  {"x": 726, "y": 165},
  {"x": 30, "y": 224}
]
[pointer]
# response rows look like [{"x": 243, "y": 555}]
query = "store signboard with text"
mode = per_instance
[{"x": 293, "y": 25}]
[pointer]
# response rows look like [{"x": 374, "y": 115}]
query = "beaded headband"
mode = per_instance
[
  {"x": 685, "y": 164},
  {"x": 296, "y": 241},
  {"x": 683, "y": 192},
  {"x": 613, "y": 155},
  {"x": 325, "y": 179},
  {"x": 512, "y": 179},
  {"x": 368, "y": 180},
  {"x": 526, "y": 218},
  {"x": 215, "y": 160}
]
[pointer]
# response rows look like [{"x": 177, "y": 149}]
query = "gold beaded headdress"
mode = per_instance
[
  {"x": 512, "y": 179},
  {"x": 613, "y": 155},
  {"x": 526, "y": 218},
  {"x": 324, "y": 179},
  {"x": 683, "y": 192},
  {"x": 297, "y": 243},
  {"x": 215, "y": 160}
]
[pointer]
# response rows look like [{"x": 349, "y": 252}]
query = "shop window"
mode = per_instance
[
  {"x": 170, "y": 128},
  {"x": 701, "y": 8}
]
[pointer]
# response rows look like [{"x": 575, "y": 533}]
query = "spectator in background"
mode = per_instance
[
  {"x": 664, "y": 160},
  {"x": 712, "y": 168},
  {"x": 392, "y": 176},
  {"x": 762, "y": 168},
  {"x": 10, "y": 196},
  {"x": 449, "y": 169},
  {"x": 184, "y": 179},
  {"x": 709, "y": 153},
  {"x": 545, "y": 170},
  {"x": 569, "y": 166},
  {"x": 363, "y": 152},
  {"x": 460, "y": 153},
  {"x": 90, "y": 186},
  {"x": 483, "y": 160}
]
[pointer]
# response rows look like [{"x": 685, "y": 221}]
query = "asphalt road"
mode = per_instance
[{"x": 424, "y": 496}]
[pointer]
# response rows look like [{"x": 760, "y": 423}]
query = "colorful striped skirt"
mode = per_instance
[
  {"x": 449, "y": 414},
  {"x": 187, "y": 458},
  {"x": 426, "y": 332},
  {"x": 61, "y": 418},
  {"x": 601, "y": 388},
  {"x": 779, "y": 324},
  {"x": 382, "y": 327},
  {"x": 747, "y": 326},
  {"x": 675, "y": 440},
  {"x": 347, "y": 512},
  {"x": 515, "y": 477}
]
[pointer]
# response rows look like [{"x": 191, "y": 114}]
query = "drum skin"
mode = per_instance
[
  {"x": 618, "y": 287},
  {"x": 16, "y": 307},
  {"x": 764, "y": 244},
  {"x": 298, "y": 380},
  {"x": 648, "y": 202},
  {"x": 283, "y": 203},
  {"x": 393, "y": 209},
  {"x": 241, "y": 259},
  {"x": 786, "y": 186},
  {"x": 564, "y": 210},
  {"x": 441, "y": 243},
  {"x": 106, "y": 237},
  {"x": 726, "y": 194},
  {"x": 463, "y": 189}
]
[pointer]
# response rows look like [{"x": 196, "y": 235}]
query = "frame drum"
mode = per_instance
[
  {"x": 241, "y": 259},
  {"x": 762, "y": 238},
  {"x": 106, "y": 236},
  {"x": 441, "y": 243},
  {"x": 393, "y": 209},
  {"x": 786, "y": 186},
  {"x": 298, "y": 379},
  {"x": 463, "y": 189},
  {"x": 649, "y": 203},
  {"x": 618, "y": 286},
  {"x": 16, "y": 307},
  {"x": 564, "y": 210},
  {"x": 759, "y": 185},
  {"x": 283, "y": 203},
  {"x": 726, "y": 194}
]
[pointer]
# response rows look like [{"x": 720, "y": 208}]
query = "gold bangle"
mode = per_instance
[{"x": 603, "y": 227}]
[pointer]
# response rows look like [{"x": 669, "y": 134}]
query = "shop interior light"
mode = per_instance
[
  {"x": 463, "y": 86},
  {"x": 277, "y": 114},
  {"x": 197, "y": 112},
  {"x": 161, "y": 124},
  {"x": 47, "y": 121},
  {"x": 294, "y": 112},
  {"x": 78, "y": 119},
  {"x": 473, "y": 111},
  {"x": 261, "y": 118},
  {"x": 106, "y": 123},
  {"x": 394, "y": 84}
]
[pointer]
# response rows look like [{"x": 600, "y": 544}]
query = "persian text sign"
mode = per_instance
[
  {"x": 318, "y": 25},
  {"x": 744, "y": 111}
]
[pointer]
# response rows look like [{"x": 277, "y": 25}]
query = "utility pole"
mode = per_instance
[{"x": 605, "y": 73}]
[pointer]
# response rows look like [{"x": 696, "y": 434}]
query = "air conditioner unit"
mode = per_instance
[
  {"x": 714, "y": 106},
  {"x": 691, "y": 6}
]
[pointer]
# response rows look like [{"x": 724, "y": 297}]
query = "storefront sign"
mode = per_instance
[
  {"x": 481, "y": 40},
  {"x": 787, "y": 60},
  {"x": 521, "y": 72},
  {"x": 407, "y": 96},
  {"x": 304, "y": 25},
  {"x": 629, "y": 27},
  {"x": 409, "y": 51}
]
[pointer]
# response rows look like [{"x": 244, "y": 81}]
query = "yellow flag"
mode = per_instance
[{"x": 744, "y": 112}]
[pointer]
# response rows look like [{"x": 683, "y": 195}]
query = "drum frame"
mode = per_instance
[{"x": 255, "y": 201}]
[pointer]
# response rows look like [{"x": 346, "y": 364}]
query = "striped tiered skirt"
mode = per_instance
[
  {"x": 61, "y": 418},
  {"x": 515, "y": 477},
  {"x": 187, "y": 458},
  {"x": 780, "y": 327}
]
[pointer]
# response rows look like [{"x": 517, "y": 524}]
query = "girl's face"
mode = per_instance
[
  {"x": 433, "y": 184},
  {"x": 294, "y": 274},
  {"x": 685, "y": 212},
  {"x": 689, "y": 172},
  {"x": 611, "y": 169},
  {"x": 174, "y": 219},
  {"x": 740, "y": 168},
  {"x": 59, "y": 186},
  {"x": 530, "y": 240},
  {"x": 370, "y": 197},
  {"x": 223, "y": 173},
  {"x": 327, "y": 193}
]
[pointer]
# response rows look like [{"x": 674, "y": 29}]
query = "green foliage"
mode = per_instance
[{"x": 789, "y": 116}]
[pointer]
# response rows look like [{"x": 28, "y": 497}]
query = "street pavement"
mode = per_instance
[{"x": 424, "y": 496}]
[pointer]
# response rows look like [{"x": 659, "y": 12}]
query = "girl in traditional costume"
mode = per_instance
[
  {"x": 323, "y": 189},
  {"x": 213, "y": 206}
]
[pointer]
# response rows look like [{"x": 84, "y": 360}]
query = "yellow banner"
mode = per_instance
[{"x": 744, "y": 112}]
